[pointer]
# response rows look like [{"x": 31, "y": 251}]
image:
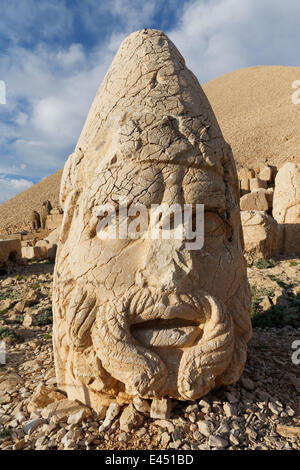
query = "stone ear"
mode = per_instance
[
  {"x": 71, "y": 177},
  {"x": 69, "y": 207}
]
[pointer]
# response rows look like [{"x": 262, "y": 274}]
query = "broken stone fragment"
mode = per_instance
[
  {"x": 161, "y": 408},
  {"x": 62, "y": 409},
  {"x": 31, "y": 426},
  {"x": 255, "y": 201},
  {"x": 265, "y": 174},
  {"x": 112, "y": 412},
  {"x": 141, "y": 405},
  {"x": 80, "y": 415},
  {"x": 130, "y": 419},
  {"x": 286, "y": 208},
  {"x": 260, "y": 232}
]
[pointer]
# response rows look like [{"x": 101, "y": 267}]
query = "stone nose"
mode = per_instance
[{"x": 167, "y": 264}]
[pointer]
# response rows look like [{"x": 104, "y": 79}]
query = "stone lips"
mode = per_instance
[{"x": 150, "y": 136}]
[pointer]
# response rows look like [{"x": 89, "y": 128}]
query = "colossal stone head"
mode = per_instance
[{"x": 144, "y": 316}]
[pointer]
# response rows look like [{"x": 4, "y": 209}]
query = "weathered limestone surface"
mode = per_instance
[
  {"x": 260, "y": 234},
  {"x": 53, "y": 221},
  {"x": 146, "y": 317},
  {"x": 286, "y": 208},
  {"x": 255, "y": 201},
  {"x": 32, "y": 252},
  {"x": 266, "y": 174},
  {"x": 49, "y": 244},
  {"x": 9, "y": 249}
]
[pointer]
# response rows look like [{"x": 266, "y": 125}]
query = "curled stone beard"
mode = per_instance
[
  {"x": 202, "y": 366},
  {"x": 98, "y": 340}
]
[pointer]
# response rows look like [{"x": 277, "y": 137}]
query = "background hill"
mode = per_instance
[
  {"x": 256, "y": 114},
  {"x": 15, "y": 213}
]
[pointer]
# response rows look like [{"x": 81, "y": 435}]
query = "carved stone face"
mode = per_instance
[{"x": 150, "y": 317}]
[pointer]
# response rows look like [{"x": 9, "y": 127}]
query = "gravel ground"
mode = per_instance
[{"x": 260, "y": 412}]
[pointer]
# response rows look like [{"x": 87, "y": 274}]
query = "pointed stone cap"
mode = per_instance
[
  {"x": 147, "y": 76},
  {"x": 149, "y": 107}
]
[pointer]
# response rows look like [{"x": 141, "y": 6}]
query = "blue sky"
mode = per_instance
[{"x": 55, "y": 53}]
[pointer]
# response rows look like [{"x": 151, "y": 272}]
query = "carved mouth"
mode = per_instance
[{"x": 175, "y": 333}]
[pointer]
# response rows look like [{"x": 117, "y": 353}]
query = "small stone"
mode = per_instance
[
  {"x": 223, "y": 429},
  {"x": 71, "y": 438},
  {"x": 165, "y": 439},
  {"x": 21, "y": 418},
  {"x": 123, "y": 437},
  {"x": 42, "y": 397},
  {"x": 197, "y": 436},
  {"x": 101, "y": 412},
  {"x": 130, "y": 419},
  {"x": 89, "y": 441},
  {"x": 5, "y": 398},
  {"x": 192, "y": 409},
  {"x": 175, "y": 445},
  {"x": 275, "y": 408},
  {"x": 60, "y": 410},
  {"x": 204, "y": 428},
  {"x": 257, "y": 183},
  {"x": 204, "y": 403},
  {"x": 290, "y": 411},
  {"x": 203, "y": 447},
  {"x": 165, "y": 424},
  {"x": 31, "y": 426},
  {"x": 218, "y": 442},
  {"x": 5, "y": 304},
  {"x": 161, "y": 409},
  {"x": 288, "y": 431},
  {"x": 141, "y": 432},
  {"x": 112, "y": 412},
  {"x": 265, "y": 174},
  {"x": 233, "y": 440},
  {"x": 80, "y": 415},
  {"x": 177, "y": 434},
  {"x": 10, "y": 384},
  {"x": 141, "y": 405},
  {"x": 229, "y": 410}
]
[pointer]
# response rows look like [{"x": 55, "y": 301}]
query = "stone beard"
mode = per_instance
[{"x": 148, "y": 317}]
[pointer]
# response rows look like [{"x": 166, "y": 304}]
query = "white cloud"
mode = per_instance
[
  {"x": 48, "y": 97},
  {"x": 24, "y": 20},
  {"x": 218, "y": 36},
  {"x": 9, "y": 187}
]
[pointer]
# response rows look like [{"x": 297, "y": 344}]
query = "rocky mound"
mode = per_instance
[
  {"x": 257, "y": 116},
  {"x": 15, "y": 213}
]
